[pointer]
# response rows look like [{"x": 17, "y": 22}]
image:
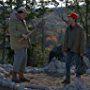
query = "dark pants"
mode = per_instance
[{"x": 72, "y": 58}]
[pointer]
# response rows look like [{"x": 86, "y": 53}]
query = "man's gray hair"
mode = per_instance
[{"x": 22, "y": 9}]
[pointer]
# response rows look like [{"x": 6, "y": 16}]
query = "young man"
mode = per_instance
[
  {"x": 74, "y": 45},
  {"x": 19, "y": 43}
]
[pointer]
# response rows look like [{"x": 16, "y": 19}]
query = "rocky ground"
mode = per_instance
[
  {"x": 42, "y": 80},
  {"x": 45, "y": 82}
]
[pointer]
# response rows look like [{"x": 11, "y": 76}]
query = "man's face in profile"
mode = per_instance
[
  {"x": 22, "y": 15},
  {"x": 70, "y": 20}
]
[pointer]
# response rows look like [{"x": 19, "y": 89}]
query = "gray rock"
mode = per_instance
[
  {"x": 7, "y": 83},
  {"x": 21, "y": 86},
  {"x": 5, "y": 70},
  {"x": 34, "y": 70},
  {"x": 70, "y": 87},
  {"x": 7, "y": 67},
  {"x": 87, "y": 61},
  {"x": 38, "y": 87},
  {"x": 2, "y": 70},
  {"x": 88, "y": 71},
  {"x": 77, "y": 85},
  {"x": 55, "y": 66}
]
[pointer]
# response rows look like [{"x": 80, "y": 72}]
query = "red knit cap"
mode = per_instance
[{"x": 73, "y": 15}]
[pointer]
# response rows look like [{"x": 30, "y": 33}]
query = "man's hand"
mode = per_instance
[
  {"x": 81, "y": 54},
  {"x": 25, "y": 36},
  {"x": 65, "y": 51}
]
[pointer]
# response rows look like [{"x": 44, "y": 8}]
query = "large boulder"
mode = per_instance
[{"x": 55, "y": 67}]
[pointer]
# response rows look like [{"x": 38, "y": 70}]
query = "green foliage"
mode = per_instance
[
  {"x": 35, "y": 56},
  {"x": 37, "y": 53}
]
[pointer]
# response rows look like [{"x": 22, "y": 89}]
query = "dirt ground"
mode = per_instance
[{"x": 51, "y": 82}]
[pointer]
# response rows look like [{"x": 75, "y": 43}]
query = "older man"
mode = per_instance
[
  {"x": 74, "y": 45},
  {"x": 19, "y": 43}
]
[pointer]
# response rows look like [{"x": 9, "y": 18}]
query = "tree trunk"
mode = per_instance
[{"x": 86, "y": 20}]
